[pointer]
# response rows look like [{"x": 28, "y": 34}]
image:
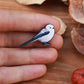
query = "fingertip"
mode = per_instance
[
  {"x": 43, "y": 70},
  {"x": 61, "y": 41},
  {"x": 57, "y": 25},
  {"x": 52, "y": 55},
  {"x": 55, "y": 55},
  {"x": 31, "y": 72},
  {"x": 37, "y": 71},
  {"x": 57, "y": 41}
]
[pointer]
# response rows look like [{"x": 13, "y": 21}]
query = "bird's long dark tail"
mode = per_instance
[
  {"x": 34, "y": 38},
  {"x": 28, "y": 42}
]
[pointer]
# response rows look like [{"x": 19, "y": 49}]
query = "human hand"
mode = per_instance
[{"x": 22, "y": 64}]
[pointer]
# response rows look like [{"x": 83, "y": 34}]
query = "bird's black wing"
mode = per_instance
[
  {"x": 34, "y": 38},
  {"x": 41, "y": 34}
]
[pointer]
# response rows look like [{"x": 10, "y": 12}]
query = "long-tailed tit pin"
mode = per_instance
[{"x": 44, "y": 36}]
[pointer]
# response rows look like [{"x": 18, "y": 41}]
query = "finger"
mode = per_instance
[
  {"x": 57, "y": 41},
  {"x": 15, "y": 21},
  {"x": 27, "y": 56},
  {"x": 16, "y": 39},
  {"x": 9, "y": 75}
]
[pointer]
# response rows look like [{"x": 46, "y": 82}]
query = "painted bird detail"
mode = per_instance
[{"x": 44, "y": 36}]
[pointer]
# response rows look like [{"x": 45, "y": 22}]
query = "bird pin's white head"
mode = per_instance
[{"x": 50, "y": 27}]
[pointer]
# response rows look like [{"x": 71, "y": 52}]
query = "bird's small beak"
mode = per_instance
[{"x": 53, "y": 27}]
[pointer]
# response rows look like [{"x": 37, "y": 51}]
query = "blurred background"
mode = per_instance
[{"x": 60, "y": 71}]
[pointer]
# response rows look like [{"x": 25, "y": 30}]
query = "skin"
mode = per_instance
[{"x": 30, "y": 64}]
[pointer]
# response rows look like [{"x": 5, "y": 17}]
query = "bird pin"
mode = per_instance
[{"x": 44, "y": 36}]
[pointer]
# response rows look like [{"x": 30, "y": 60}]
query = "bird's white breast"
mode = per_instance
[{"x": 48, "y": 37}]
